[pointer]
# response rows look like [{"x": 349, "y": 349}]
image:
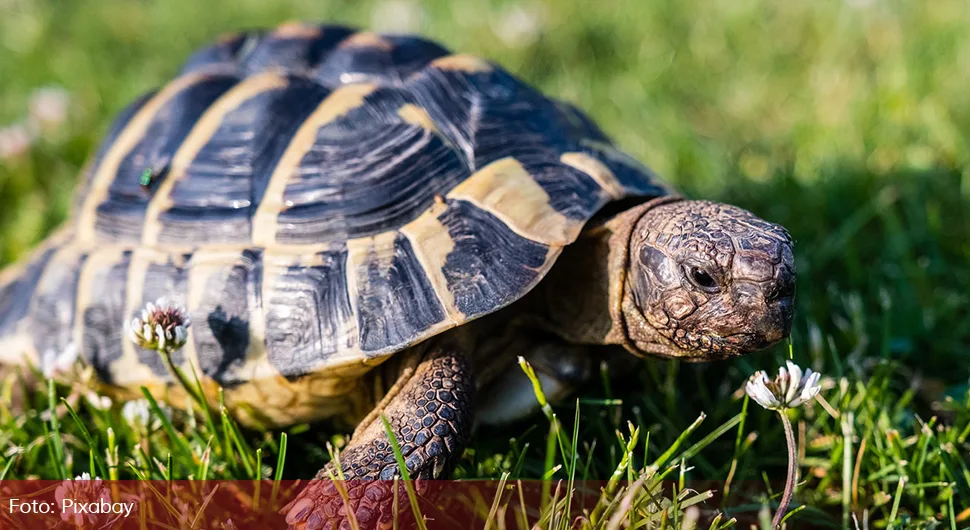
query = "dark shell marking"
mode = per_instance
[{"x": 320, "y": 197}]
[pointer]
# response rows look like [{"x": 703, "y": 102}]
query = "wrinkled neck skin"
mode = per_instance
[{"x": 582, "y": 300}]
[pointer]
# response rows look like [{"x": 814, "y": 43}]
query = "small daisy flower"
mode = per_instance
[
  {"x": 163, "y": 326},
  {"x": 82, "y": 490},
  {"x": 790, "y": 389}
]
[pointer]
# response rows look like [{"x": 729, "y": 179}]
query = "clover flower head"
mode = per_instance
[
  {"x": 98, "y": 401},
  {"x": 521, "y": 24},
  {"x": 49, "y": 106},
  {"x": 789, "y": 389},
  {"x": 136, "y": 412},
  {"x": 162, "y": 326},
  {"x": 15, "y": 141},
  {"x": 82, "y": 490},
  {"x": 56, "y": 362}
]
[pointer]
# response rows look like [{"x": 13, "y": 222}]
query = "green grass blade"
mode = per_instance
[
  {"x": 792, "y": 512},
  {"x": 177, "y": 439},
  {"x": 112, "y": 455},
  {"x": 97, "y": 464},
  {"x": 202, "y": 470},
  {"x": 57, "y": 444},
  {"x": 278, "y": 472},
  {"x": 705, "y": 441},
  {"x": 6, "y": 468},
  {"x": 230, "y": 430},
  {"x": 896, "y": 500},
  {"x": 496, "y": 501},
  {"x": 280, "y": 458},
  {"x": 403, "y": 468},
  {"x": 203, "y": 402},
  {"x": 669, "y": 453}
]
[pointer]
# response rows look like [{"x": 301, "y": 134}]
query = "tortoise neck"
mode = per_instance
[{"x": 582, "y": 297}]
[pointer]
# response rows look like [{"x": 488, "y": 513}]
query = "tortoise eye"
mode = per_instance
[{"x": 702, "y": 279}]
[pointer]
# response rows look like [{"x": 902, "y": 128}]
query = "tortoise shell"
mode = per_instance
[{"x": 315, "y": 196}]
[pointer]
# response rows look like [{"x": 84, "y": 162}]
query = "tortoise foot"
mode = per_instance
[{"x": 430, "y": 415}]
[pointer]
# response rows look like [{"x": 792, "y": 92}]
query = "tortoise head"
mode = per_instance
[{"x": 707, "y": 281}]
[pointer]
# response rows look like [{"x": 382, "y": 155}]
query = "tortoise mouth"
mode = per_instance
[
  {"x": 761, "y": 333},
  {"x": 650, "y": 335},
  {"x": 720, "y": 348}
]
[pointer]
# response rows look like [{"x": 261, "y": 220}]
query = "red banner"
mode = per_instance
[{"x": 441, "y": 504}]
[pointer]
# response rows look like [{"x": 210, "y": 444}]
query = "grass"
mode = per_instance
[{"x": 846, "y": 121}]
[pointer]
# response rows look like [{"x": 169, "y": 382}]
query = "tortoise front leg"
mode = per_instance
[{"x": 430, "y": 411}]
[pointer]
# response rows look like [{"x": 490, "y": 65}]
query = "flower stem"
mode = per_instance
[
  {"x": 792, "y": 471},
  {"x": 167, "y": 357}
]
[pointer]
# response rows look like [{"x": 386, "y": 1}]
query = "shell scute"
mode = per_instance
[
  {"x": 309, "y": 318},
  {"x": 213, "y": 194}
]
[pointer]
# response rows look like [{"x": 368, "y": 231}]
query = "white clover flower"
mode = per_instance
[
  {"x": 15, "y": 141},
  {"x": 98, "y": 401},
  {"x": 136, "y": 412},
  {"x": 791, "y": 388},
  {"x": 397, "y": 16},
  {"x": 520, "y": 25},
  {"x": 83, "y": 490},
  {"x": 49, "y": 106},
  {"x": 55, "y": 362},
  {"x": 163, "y": 327}
]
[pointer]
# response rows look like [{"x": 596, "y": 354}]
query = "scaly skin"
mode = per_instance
[
  {"x": 430, "y": 415},
  {"x": 708, "y": 279}
]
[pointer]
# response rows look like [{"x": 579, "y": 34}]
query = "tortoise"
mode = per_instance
[{"x": 362, "y": 223}]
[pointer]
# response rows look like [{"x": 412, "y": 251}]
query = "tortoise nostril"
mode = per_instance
[{"x": 783, "y": 288}]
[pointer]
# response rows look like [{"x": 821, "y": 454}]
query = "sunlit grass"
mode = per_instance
[{"x": 846, "y": 121}]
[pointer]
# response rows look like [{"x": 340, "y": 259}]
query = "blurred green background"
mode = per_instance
[{"x": 848, "y": 121}]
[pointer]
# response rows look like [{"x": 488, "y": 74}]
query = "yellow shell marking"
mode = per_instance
[
  {"x": 296, "y": 30},
  {"x": 200, "y": 135},
  {"x": 362, "y": 253},
  {"x": 367, "y": 39},
  {"x": 506, "y": 190},
  {"x": 416, "y": 115},
  {"x": 338, "y": 103},
  {"x": 127, "y": 368},
  {"x": 597, "y": 170},
  {"x": 17, "y": 348},
  {"x": 610, "y": 152},
  {"x": 15, "y": 270},
  {"x": 432, "y": 243},
  {"x": 133, "y": 132},
  {"x": 463, "y": 63}
]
